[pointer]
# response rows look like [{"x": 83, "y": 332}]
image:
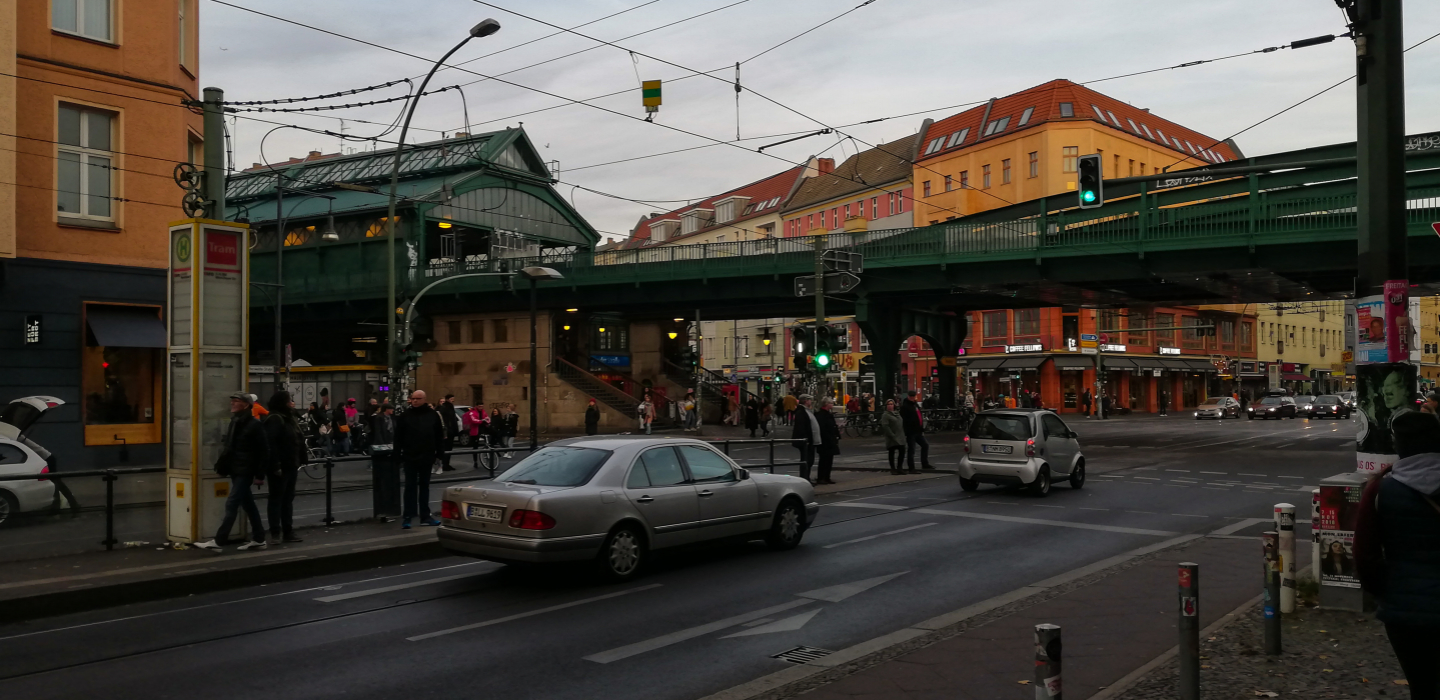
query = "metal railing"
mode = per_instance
[
  {"x": 109, "y": 475},
  {"x": 770, "y": 462}
]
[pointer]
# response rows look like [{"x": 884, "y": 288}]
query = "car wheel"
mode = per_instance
[
  {"x": 1077, "y": 475},
  {"x": 623, "y": 554},
  {"x": 1040, "y": 487},
  {"x": 9, "y": 508},
  {"x": 968, "y": 484},
  {"x": 787, "y": 528}
]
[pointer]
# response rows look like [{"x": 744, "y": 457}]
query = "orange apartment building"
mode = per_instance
[{"x": 91, "y": 127}]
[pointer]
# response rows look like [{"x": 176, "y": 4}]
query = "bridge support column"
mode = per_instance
[
  {"x": 945, "y": 386},
  {"x": 880, "y": 323}
]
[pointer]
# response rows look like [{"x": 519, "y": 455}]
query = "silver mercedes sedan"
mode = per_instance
[{"x": 613, "y": 500}]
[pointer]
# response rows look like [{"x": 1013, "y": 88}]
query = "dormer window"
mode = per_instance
[
  {"x": 727, "y": 209},
  {"x": 1067, "y": 109},
  {"x": 1025, "y": 116},
  {"x": 696, "y": 219},
  {"x": 1099, "y": 113},
  {"x": 663, "y": 230},
  {"x": 934, "y": 145},
  {"x": 958, "y": 138}
]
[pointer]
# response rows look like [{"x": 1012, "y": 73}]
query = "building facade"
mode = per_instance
[
  {"x": 868, "y": 191},
  {"x": 1307, "y": 341},
  {"x": 747, "y": 213},
  {"x": 86, "y": 194}
]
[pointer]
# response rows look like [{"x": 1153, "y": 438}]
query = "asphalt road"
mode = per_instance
[{"x": 701, "y": 621}]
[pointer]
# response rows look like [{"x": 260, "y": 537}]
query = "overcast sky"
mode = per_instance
[{"x": 888, "y": 58}]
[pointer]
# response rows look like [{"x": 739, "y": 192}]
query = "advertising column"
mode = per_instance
[{"x": 209, "y": 311}]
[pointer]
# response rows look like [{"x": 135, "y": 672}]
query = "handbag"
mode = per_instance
[
  {"x": 344, "y": 428},
  {"x": 222, "y": 464}
]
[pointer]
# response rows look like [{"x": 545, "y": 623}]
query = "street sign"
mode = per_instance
[
  {"x": 1089, "y": 343},
  {"x": 1090, "y": 337},
  {"x": 1104, "y": 337},
  {"x": 1436, "y": 226},
  {"x": 835, "y": 283},
  {"x": 843, "y": 261},
  {"x": 1089, "y": 351}
]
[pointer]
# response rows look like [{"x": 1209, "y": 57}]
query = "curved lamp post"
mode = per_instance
[
  {"x": 535, "y": 274},
  {"x": 485, "y": 28}
]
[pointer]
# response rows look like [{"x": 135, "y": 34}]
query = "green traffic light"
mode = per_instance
[
  {"x": 1088, "y": 195},
  {"x": 822, "y": 360}
]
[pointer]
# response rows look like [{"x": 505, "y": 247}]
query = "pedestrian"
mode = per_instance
[
  {"x": 692, "y": 411},
  {"x": 419, "y": 437},
  {"x": 474, "y": 422},
  {"x": 450, "y": 419},
  {"x": 806, "y": 434},
  {"x": 853, "y": 407},
  {"x": 913, "y": 420},
  {"x": 1009, "y": 401},
  {"x": 512, "y": 428},
  {"x": 894, "y": 431},
  {"x": 645, "y": 412},
  {"x": 1164, "y": 403},
  {"x": 791, "y": 403},
  {"x": 286, "y": 444},
  {"x": 244, "y": 457},
  {"x": 829, "y": 440},
  {"x": 732, "y": 410},
  {"x": 592, "y": 418},
  {"x": 1397, "y": 550},
  {"x": 382, "y": 428},
  {"x": 767, "y": 419},
  {"x": 780, "y": 411},
  {"x": 339, "y": 432},
  {"x": 752, "y": 416},
  {"x": 1105, "y": 404},
  {"x": 1085, "y": 402}
]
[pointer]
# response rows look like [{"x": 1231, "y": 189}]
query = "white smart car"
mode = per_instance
[
  {"x": 1028, "y": 447},
  {"x": 20, "y": 456}
]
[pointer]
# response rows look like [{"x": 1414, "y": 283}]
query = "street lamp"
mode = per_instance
[
  {"x": 485, "y": 28},
  {"x": 535, "y": 274},
  {"x": 328, "y": 235}
]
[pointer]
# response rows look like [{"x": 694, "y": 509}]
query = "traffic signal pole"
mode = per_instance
[
  {"x": 1380, "y": 147},
  {"x": 821, "y": 378}
]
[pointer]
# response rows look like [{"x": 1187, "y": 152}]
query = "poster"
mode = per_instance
[
  {"x": 1370, "y": 344},
  {"x": 1382, "y": 391},
  {"x": 1339, "y": 507},
  {"x": 1398, "y": 331}
]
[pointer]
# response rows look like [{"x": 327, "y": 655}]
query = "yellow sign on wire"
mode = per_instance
[{"x": 650, "y": 95}]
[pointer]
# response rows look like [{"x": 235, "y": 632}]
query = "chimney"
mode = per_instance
[
  {"x": 462, "y": 134},
  {"x": 313, "y": 154},
  {"x": 827, "y": 165},
  {"x": 257, "y": 166}
]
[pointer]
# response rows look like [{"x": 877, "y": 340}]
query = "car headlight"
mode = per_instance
[
  {"x": 1270, "y": 410},
  {"x": 1197, "y": 414}
]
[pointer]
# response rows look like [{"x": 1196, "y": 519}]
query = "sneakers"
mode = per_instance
[
  {"x": 260, "y": 544},
  {"x": 430, "y": 522},
  {"x": 405, "y": 524},
  {"x": 209, "y": 545},
  {"x": 291, "y": 538}
]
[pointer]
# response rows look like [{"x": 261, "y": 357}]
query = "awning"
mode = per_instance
[
  {"x": 1031, "y": 362},
  {"x": 1118, "y": 363},
  {"x": 986, "y": 363},
  {"x": 1200, "y": 366},
  {"x": 1175, "y": 364},
  {"x": 1294, "y": 377},
  {"x": 1073, "y": 362},
  {"x": 1148, "y": 362},
  {"x": 125, "y": 326}
]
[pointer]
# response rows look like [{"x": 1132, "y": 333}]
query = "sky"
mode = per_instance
[{"x": 885, "y": 59}]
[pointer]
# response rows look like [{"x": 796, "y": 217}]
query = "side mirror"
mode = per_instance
[{"x": 744, "y": 474}]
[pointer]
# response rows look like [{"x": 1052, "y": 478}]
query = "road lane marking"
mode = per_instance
[
  {"x": 1281, "y": 447},
  {"x": 1042, "y": 505},
  {"x": 1289, "y": 477},
  {"x": 1221, "y": 473},
  {"x": 882, "y": 534},
  {"x": 1104, "y": 509},
  {"x": 1148, "y": 478},
  {"x": 876, "y": 506},
  {"x": 662, "y": 641},
  {"x": 387, "y": 589},
  {"x": 532, "y": 613},
  {"x": 789, "y": 624},
  {"x": 1186, "y": 471},
  {"x": 1141, "y": 512},
  {"x": 1188, "y": 515},
  {"x": 1003, "y": 503},
  {"x": 1262, "y": 476},
  {"x": 840, "y": 592},
  {"x": 1235, "y": 527},
  {"x": 1050, "y": 523}
]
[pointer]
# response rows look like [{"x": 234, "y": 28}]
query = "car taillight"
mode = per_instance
[
  {"x": 44, "y": 470},
  {"x": 967, "y": 444},
  {"x": 1030, "y": 447},
  {"x": 531, "y": 520},
  {"x": 449, "y": 510}
]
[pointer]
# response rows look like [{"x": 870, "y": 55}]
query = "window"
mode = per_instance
[
  {"x": 874, "y": 207},
  {"x": 1025, "y": 116},
  {"x": 121, "y": 371},
  {"x": 1117, "y": 165},
  {"x": 985, "y": 176},
  {"x": 964, "y": 179},
  {"x": 1107, "y": 321},
  {"x": 194, "y": 151},
  {"x": 996, "y": 126},
  {"x": 1133, "y": 126},
  {"x": 500, "y": 330},
  {"x": 1067, "y": 109},
  {"x": 87, "y": 18},
  {"x": 948, "y": 184},
  {"x": 1099, "y": 113},
  {"x": 706, "y": 465},
  {"x": 934, "y": 145},
  {"x": 185, "y": 43},
  {"x": 1142, "y": 168},
  {"x": 84, "y": 168},
  {"x": 448, "y": 247},
  {"x": 993, "y": 326},
  {"x": 1027, "y": 322},
  {"x": 454, "y": 331},
  {"x": 891, "y": 197},
  {"x": 1068, "y": 157},
  {"x": 1114, "y": 120},
  {"x": 847, "y": 209},
  {"x": 1148, "y": 134},
  {"x": 958, "y": 138},
  {"x": 1165, "y": 321},
  {"x": 969, "y": 330},
  {"x": 927, "y": 188},
  {"x": 1226, "y": 331},
  {"x": 1163, "y": 138},
  {"x": 9, "y": 454},
  {"x": 1034, "y": 164},
  {"x": 477, "y": 331},
  {"x": 1005, "y": 171},
  {"x": 1132, "y": 168},
  {"x": 1189, "y": 334},
  {"x": 557, "y": 466}
]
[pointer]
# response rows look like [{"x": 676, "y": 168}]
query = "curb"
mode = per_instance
[{"x": 209, "y": 581}]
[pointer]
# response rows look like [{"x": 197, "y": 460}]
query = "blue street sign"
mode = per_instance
[{"x": 1089, "y": 336}]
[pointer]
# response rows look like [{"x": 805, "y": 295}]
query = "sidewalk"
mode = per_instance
[{"x": 1115, "y": 617}]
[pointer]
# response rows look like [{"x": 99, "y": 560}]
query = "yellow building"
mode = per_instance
[
  {"x": 1430, "y": 340},
  {"x": 1307, "y": 339},
  {"x": 1024, "y": 146}
]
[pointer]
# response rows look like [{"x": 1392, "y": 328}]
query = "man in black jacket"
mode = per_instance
[
  {"x": 419, "y": 436},
  {"x": 806, "y": 434},
  {"x": 914, "y": 422},
  {"x": 829, "y": 440},
  {"x": 451, "y": 421},
  {"x": 287, "y": 453},
  {"x": 244, "y": 457}
]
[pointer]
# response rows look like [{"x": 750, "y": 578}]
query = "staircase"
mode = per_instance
[{"x": 593, "y": 386}]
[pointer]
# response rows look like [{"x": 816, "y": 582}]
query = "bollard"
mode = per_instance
[
  {"x": 1285, "y": 525},
  {"x": 772, "y": 460},
  {"x": 1047, "y": 662},
  {"x": 329, "y": 515},
  {"x": 1271, "y": 548},
  {"x": 727, "y": 448},
  {"x": 109, "y": 509},
  {"x": 1188, "y": 576},
  {"x": 1315, "y": 533}
]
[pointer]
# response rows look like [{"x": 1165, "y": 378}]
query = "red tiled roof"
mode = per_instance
[
  {"x": 776, "y": 187},
  {"x": 1046, "y": 100}
]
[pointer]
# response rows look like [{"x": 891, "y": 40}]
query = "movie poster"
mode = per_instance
[
  {"x": 1382, "y": 391},
  {"x": 1339, "y": 507}
]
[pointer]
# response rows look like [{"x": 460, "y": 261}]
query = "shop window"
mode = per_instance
[
  {"x": 121, "y": 367},
  {"x": 993, "y": 326}
]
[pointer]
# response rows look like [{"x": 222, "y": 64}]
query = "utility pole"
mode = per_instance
[
  {"x": 214, "y": 123},
  {"x": 821, "y": 380},
  {"x": 1380, "y": 149}
]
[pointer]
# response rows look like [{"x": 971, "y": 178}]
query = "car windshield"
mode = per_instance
[
  {"x": 1211, "y": 403},
  {"x": 1305, "y": 399},
  {"x": 1270, "y": 401},
  {"x": 557, "y": 466},
  {"x": 1328, "y": 400},
  {"x": 1001, "y": 427}
]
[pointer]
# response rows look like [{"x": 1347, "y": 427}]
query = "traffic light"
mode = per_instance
[
  {"x": 801, "y": 345},
  {"x": 824, "y": 348},
  {"x": 1092, "y": 187},
  {"x": 412, "y": 358}
]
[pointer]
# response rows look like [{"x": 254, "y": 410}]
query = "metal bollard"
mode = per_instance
[
  {"x": 110, "y": 540},
  {"x": 772, "y": 457},
  {"x": 329, "y": 515},
  {"x": 727, "y": 448},
  {"x": 1271, "y": 546},
  {"x": 1315, "y": 533},
  {"x": 1285, "y": 525},
  {"x": 1047, "y": 662},
  {"x": 1188, "y": 577}
]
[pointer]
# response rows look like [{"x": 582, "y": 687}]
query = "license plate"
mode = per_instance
[
  {"x": 486, "y": 513},
  {"x": 997, "y": 449}
]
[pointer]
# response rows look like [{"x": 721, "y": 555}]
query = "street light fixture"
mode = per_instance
[
  {"x": 535, "y": 274},
  {"x": 483, "y": 29},
  {"x": 329, "y": 233}
]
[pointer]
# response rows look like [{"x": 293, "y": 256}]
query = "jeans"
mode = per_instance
[
  {"x": 281, "y": 503},
  {"x": 645, "y": 426},
  {"x": 692, "y": 418},
  {"x": 416, "y": 496},
  {"x": 341, "y": 445},
  {"x": 917, "y": 439},
  {"x": 896, "y": 456},
  {"x": 240, "y": 497},
  {"x": 1416, "y": 648},
  {"x": 807, "y": 458},
  {"x": 822, "y": 473},
  {"x": 445, "y": 460}
]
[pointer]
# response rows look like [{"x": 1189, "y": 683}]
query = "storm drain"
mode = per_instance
[{"x": 802, "y": 655}]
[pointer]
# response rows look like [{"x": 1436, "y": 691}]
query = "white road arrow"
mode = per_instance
[
  {"x": 835, "y": 594},
  {"x": 789, "y": 624}
]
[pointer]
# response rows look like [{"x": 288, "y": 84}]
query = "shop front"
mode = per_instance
[{"x": 1071, "y": 370}]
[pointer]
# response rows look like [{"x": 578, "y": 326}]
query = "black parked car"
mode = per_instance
[
  {"x": 1272, "y": 407},
  {"x": 1329, "y": 406}
]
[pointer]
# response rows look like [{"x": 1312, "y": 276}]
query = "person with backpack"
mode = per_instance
[
  {"x": 286, "y": 443},
  {"x": 244, "y": 457},
  {"x": 1397, "y": 549}
]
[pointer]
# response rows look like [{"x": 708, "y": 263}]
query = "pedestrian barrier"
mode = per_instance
[
  {"x": 771, "y": 463},
  {"x": 109, "y": 475}
]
